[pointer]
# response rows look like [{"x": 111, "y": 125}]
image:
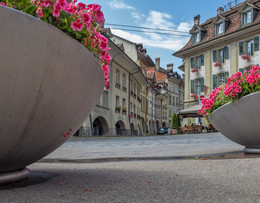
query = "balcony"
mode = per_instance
[
  {"x": 118, "y": 109},
  {"x": 124, "y": 89},
  {"x": 124, "y": 110},
  {"x": 117, "y": 85}
]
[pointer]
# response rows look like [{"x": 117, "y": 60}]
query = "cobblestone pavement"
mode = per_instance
[{"x": 147, "y": 146}]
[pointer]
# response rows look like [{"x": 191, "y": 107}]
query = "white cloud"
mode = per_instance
[
  {"x": 119, "y": 4},
  {"x": 185, "y": 27},
  {"x": 137, "y": 15}
]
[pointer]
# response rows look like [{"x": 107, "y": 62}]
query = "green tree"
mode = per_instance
[{"x": 175, "y": 121}]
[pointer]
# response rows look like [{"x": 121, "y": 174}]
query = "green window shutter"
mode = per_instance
[
  {"x": 192, "y": 86},
  {"x": 202, "y": 59},
  {"x": 241, "y": 70},
  {"x": 191, "y": 62},
  {"x": 226, "y": 52},
  {"x": 241, "y": 48},
  {"x": 214, "y": 56},
  {"x": 202, "y": 84},
  {"x": 226, "y": 76},
  {"x": 214, "y": 81},
  {"x": 256, "y": 43}
]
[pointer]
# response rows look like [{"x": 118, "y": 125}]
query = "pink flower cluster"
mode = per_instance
[
  {"x": 3, "y": 4},
  {"x": 253, "y": 76},
  {"x": 217, "y": 64},
  {"x": 88, "y": 17},
  {"x": 208, "y": 103},
  {"x": 233, "y": 86},
  {"x": 237, "y": 86},
  {"x": 245, "y": 57},
  {"x": 194, "y": 70}
]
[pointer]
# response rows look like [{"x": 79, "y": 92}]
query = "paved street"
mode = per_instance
[
  {"x": 67, "y": 176},
  {"x": 149, "y": 146}
]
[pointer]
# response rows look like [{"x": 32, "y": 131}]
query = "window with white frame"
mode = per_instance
[
  {"x": 221, "y": 79},
  {"x": 250, "y": 47},
  {"x": 247, "y": 17},
  {"x": 219, "y": 28},
  {"x": 197, "y": 83},
  {"x": 124, "y": 80},
  {"x": 117, "y": 76},
  {"x": 196, "y": 37}
]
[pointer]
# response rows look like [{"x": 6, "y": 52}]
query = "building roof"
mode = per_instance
[{"x": 233, "y": 16}]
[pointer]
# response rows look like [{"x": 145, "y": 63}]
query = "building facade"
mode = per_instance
[{"x": 218, "y": 48}]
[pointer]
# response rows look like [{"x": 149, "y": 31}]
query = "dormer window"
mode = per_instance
[
  {"x": 219, "y": 28},
  {"x": 221, "y": 24},
  {"x": 246, "y": 17},
  {"x": 196, "y": 37},
  {"x": 248, "y": 13}
]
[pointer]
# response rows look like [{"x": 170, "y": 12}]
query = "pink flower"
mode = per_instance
[
  {"x": 81, "y": 6},
  {"x": 77, "y": 25},
  {"x": 86, "y": 18},
  {"x": 56, "y": 13},
  {"x": 94, "y": 7},
  {"x": 47, "y": 3},
  {"x": 63, "y": 4}
]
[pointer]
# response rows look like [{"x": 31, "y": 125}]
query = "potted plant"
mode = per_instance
[
  {"x": 217, "y": 64},
  {"x": 245, "y": 57},
  {"x": 175, "y": 123},
  {"x": 233, "y": 109},
  {"x": 52, "y": 75}
]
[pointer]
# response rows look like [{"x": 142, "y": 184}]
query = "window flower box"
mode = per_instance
[
  {"x": 217, "y": 64},
  {"x": 194, "y": 70},
  {"x": 245, "y": 57},
  {"x": 194, "y": 96}
]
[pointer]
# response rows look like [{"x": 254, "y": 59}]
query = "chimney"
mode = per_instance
[
  {"x": 220, "y": 10},
  {"x": 197, "y": 20},
  {"x": 157, "y": 63},
  {"x": 170, "y": 66}
]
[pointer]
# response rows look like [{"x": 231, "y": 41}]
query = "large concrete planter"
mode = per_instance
[
  {"x": 49, "y": 84},
  {"x": 240, "y": 121}
]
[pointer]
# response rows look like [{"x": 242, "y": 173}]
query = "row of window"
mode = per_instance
[
  {"x": 245, "y": 47},
  {"x": 172, "y": 100},
  {"x": 248, "y": 15},
  {"x": 197, "y": 86}
]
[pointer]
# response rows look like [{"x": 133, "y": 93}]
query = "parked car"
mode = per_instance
[{"x": 161, "y": 131}]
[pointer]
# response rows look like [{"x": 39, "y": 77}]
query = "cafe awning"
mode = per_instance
[{"x": 191, "y": 111}]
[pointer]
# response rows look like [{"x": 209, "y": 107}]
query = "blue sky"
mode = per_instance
[{"x": 165, "y": 14}]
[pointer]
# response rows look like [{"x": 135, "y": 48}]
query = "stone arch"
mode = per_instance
[
  {"x": 120, "y": 128},
  {"x": 164, "y": 124},
  {"x": 100, "y": 126}
]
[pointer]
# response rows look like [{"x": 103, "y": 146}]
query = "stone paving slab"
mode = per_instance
[
  {"x": 235, "y": 180},
  {"x": 156, "y": 146}
]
